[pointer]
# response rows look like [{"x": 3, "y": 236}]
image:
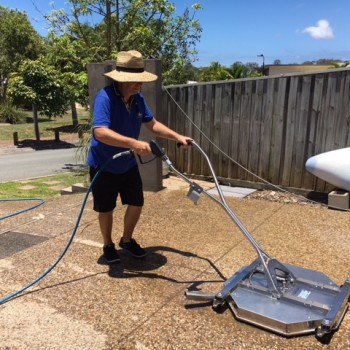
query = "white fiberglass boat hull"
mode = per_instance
[{"x": 332, "y": 167}]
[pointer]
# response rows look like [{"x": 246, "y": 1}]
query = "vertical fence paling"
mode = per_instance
[{"x": 270, "y": 125}]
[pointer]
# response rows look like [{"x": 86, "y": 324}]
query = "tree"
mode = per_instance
[
  {"x": 38, "y": 84},
  {"x": 18, "y": 41},
  {"x": 238, "y": 70},
  {"x": 253, "y": 70},
  {"x": 184, "y": 74},
  {"x": 214, "y": 72},
  {"x": 150, "y": 26},
  {"x": 309, "y": 63},
  {"x": 68, "y": 56},
  {"x": 326, "y": 61},
  {"x": 341, "y": 64}
]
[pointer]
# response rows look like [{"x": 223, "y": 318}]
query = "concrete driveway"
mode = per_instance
[{"x": 140, "y": 304}]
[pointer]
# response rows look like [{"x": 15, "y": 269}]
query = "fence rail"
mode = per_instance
[{"x": 268, "y": 125}]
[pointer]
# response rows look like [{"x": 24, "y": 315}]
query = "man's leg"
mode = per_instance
[
  {"x": 132, "y": 195},
  {"x": 106, "y": 224},
  {"x": 131, "y": 217}
]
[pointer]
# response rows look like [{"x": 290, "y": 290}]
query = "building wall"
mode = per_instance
[{"x": 286, "y": 69}]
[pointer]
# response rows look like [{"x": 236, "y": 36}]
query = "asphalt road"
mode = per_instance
[{"x": 19, "y": 166}]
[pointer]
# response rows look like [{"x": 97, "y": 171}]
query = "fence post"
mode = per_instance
[
  {"x": 57, "y": 135},
  {"x": 15, "y": 138}
]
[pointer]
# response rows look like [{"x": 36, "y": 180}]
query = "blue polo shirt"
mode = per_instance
[{"x": 111, "y": 112}]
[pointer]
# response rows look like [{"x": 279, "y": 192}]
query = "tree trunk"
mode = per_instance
[
  {"x": 109, "y": 29},
  {"x": 36, "y": 122},
  {"x": 117, "y": 27},
  {"x": 74, "y": 114},
  {"x": 3, "y": 90}
]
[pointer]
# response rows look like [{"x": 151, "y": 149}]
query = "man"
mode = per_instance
[{"x": 119, "y": 111}]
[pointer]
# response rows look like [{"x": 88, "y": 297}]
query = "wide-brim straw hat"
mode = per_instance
[{"x": 130, "y": 67}]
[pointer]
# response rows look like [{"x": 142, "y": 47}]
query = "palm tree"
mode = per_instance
[{"x": 214, "y": 72}]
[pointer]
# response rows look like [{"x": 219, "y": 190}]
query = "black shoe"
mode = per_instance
[
  {"x": 110, "y": 254},
  {"x": 133, "y": 248}
]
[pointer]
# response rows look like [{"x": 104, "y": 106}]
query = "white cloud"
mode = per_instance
[{"x": 323, "y": 30}]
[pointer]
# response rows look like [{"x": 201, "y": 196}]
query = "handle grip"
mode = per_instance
[
  {"x": 156, "y": 149},
  {"x": 189, "y": 142}
]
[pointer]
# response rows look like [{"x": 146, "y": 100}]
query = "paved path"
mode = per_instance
[
  {"x": 45, "y": 158},
  {"x": 28, "y": 163}
]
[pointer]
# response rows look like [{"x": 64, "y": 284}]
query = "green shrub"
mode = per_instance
[
  {"x": 85, "y": 141},
  {"x": 10, "y": 114}
]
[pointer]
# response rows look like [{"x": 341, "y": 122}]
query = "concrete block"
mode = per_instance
[
  {"x": 67, "y": 190},
  {"x": 76, "y": 188},
  {"x": 339, "y": 199},
  {"x": 79, "y": 188}
]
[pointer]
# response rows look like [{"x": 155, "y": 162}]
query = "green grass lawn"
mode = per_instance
[
  {"x": 46, "y": 126},
  {"x": 44, "y": 187}
]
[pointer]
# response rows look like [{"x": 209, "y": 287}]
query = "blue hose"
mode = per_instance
[
  {"x": 41, "y": 202},
  {"x": 13, "y": 295}
]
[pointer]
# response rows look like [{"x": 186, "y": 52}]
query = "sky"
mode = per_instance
[{"x": 291, "y": 31}]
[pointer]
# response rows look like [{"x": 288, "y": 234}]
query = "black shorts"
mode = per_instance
[{"x": 108, "y": 186}]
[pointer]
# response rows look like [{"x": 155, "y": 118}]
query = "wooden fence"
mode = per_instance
[{"x": 268, "y": 125}]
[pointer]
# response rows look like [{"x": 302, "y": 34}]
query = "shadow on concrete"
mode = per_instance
[
  {"x": 45, "y": 144},
  {"x": 131, "y": 267},
  {"x": 71, "y": 129}
]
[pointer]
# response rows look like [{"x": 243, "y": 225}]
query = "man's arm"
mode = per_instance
[
  {"x": 112, "y": 138},
  {"x": 161, "y": 130}
]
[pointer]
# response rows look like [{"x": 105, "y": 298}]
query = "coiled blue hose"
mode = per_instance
[{"x": 13, "y": 295}]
